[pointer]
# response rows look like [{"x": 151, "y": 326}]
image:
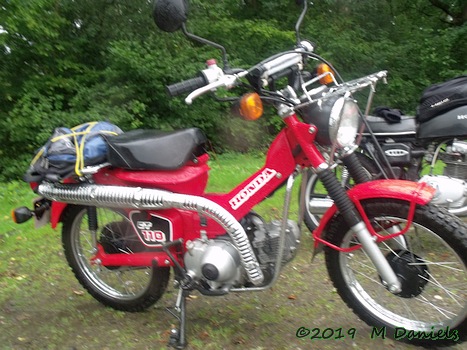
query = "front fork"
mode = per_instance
[{"x": 347, "y": 209}]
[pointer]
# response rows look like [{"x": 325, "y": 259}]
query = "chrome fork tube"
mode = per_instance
[{"x": 370, "y": 247}]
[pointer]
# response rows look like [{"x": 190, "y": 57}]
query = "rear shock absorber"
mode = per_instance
[{"x": 93, "y": 224}]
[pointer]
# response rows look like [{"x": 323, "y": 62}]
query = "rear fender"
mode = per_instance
[
  {"x": 413, "y": 192},
  {"x": 56, "y": 213}
]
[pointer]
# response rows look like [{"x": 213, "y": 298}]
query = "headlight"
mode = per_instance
[
  {"x": 337, "y": 119},
  {"x": 343, "y": 122}
]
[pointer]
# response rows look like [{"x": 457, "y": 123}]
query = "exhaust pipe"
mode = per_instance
[
  {"x": 460, "y": 212},
  {"x": 145, "y": 198}
]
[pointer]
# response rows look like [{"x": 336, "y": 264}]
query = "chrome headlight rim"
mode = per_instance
[{"x": 343, "y": 122}]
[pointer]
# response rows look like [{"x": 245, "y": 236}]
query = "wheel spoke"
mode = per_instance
[
  {"x": 446, "y": 313},
  {"x": 453, "y": 296}
]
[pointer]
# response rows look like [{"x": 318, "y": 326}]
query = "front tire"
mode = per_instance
[
  {"x": 119, "y": 287},
  {"x": 430, "y": 261}
]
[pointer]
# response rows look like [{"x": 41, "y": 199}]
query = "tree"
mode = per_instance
[
  {"x": 65, "y": 62},
  {"x": 455, "y": 11}
]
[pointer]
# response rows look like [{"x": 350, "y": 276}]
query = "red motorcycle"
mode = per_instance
[{"x": 399, "y": 262}]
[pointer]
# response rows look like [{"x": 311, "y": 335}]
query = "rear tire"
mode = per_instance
[
  {"x": 315, "y": 190},
  {"x": 431, "y": 262},
  {"x": 122, "y": 288}
]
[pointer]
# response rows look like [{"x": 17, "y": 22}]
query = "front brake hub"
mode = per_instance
[{"x": 411, "y": 271}]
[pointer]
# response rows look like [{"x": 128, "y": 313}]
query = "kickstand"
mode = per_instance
[{"x": 178, "y": 335}]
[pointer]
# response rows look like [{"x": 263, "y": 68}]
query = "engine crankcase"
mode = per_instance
[
  {"x": 216, "y": 261},
  {"x": 450, "y": 192}
]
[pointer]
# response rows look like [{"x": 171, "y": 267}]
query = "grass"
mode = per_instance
[{"x": 42, "y": 306}]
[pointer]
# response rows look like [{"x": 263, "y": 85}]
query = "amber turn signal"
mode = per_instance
[
  {"x": 251, "y": 106},
  {"x": 21, "y": 214},
  {"x": 328, "y": 74}
]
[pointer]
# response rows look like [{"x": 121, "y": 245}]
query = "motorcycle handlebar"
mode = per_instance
[
  {"x": 281, "y": 64},
  {"x": 213, "y": 77},
  {"x": 186, "y": 86}
]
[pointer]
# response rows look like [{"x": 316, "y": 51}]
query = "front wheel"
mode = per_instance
[
  {"x": 123, "y": 288},
  {"x": 430, "y": 261}
]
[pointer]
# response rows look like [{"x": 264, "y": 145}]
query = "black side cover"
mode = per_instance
[{"x": 154, "y": 149}]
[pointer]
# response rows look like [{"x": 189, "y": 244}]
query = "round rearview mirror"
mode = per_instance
[{"x": 169, "y": 15}]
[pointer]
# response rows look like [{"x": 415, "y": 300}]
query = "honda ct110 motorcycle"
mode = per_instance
[
  {"x": 393, "y": 145},
  {"x": 397, "y": 260}
]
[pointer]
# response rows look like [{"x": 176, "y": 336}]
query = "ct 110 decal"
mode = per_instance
[{"x": 152, "y": 229}]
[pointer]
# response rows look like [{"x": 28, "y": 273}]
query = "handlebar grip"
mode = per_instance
[{"x": 186, "y": 86}]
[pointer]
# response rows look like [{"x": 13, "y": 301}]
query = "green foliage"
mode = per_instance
[{"x": 67, "y": 62}]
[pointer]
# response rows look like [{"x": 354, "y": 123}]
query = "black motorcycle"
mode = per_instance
[{"x": 430, "y": 147}]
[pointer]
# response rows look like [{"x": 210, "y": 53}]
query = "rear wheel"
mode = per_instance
[
  {"x": 317, "y": 200},
  {"x": 120, "y": 287},
  {"x": 431, "y": 263}
]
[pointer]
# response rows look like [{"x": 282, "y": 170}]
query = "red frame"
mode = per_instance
[{"x": 293, "y": 146}]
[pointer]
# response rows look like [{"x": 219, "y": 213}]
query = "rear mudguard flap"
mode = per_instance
[
  {"x": 413, "y": 192},
  {"x": 56, "y": 213}
]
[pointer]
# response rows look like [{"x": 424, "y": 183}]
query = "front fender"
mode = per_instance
[{"x": 412, "y": 192}]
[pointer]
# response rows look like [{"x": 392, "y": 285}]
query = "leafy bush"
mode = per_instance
[{"x": 64, "y": 63}]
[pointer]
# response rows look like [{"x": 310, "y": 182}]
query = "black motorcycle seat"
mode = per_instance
[
  {"x": 155, "y": 150},
  {"x": 380, "y": 127}
]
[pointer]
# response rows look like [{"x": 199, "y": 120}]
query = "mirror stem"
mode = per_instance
[
  {"x": 300, "y": 20},
  {"x": 208, "y": 42}
]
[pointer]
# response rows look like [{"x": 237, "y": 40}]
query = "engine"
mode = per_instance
[
  {"x": 451, "y": 187},
  {"x": 216, "y": 264},
  {"x": 264, "y": 238},
  {"x": 455, "y": 160}
]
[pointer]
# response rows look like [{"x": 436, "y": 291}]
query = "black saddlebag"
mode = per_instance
[{"x": 440, "y": 98}]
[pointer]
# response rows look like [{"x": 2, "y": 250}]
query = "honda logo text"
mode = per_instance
[{"x": 254, "y": 186}]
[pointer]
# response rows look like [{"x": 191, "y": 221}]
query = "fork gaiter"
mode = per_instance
[{"x": 340, "y": 197}]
